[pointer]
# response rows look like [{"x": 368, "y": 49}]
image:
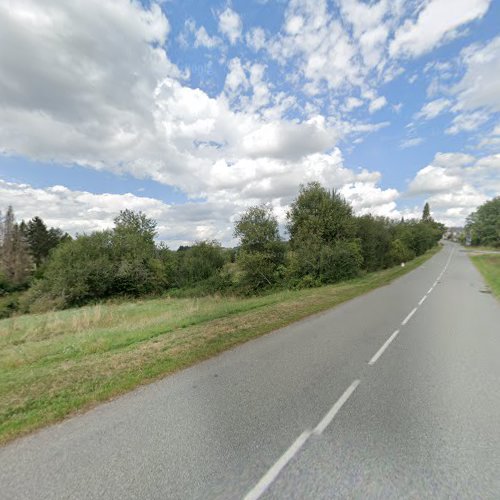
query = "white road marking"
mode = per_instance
[
  {"x": 278, "y": 466},
  {"x": 269, "y": 477},
  {"x": 335, "y": 408},
  {"x": 409, "y": 316},
  {"x": 383, "y": 348}
]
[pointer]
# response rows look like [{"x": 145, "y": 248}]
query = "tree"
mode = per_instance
[
  {"x": 321, "y": 215},
  {"x": 137, "y": 223},
  {"x": 15, "y": 261},
  {"x": 198, "y": 262},
  {"x": 374, "y": 234},
  {"x": 40, "y": 239},
  {"x": 261, "y": 250},
  {"x": 318, "y": 220},
  {"x": 122, "y": 261},
  {"x": 484, "y": 224},
  {"x": 426, "y": 214}
]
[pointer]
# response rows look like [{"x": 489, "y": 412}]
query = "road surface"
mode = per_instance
[{"x": 395, "y": 394}]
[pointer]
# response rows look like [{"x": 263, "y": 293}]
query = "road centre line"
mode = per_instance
[
  {"x": 409, "y": 316},
  {"x": 383, "y": 348},
  {"x": 270, "y": 476},
  {"x": 335, "y": 408}
]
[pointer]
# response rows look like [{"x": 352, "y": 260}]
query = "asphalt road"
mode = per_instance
[{"x": 337, "y": 405}]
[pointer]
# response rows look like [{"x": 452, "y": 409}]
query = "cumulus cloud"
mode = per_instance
[
  {"x": 454, "y": 184},
  {"x": 436, "y": 21},
  {"x": 480, "y": 86},
  {"x": 256, "y": 38},
  {"x": 230, "y": 24},
  {"x": 203, "y": 39}
]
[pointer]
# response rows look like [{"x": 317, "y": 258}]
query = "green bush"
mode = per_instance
[
  {"x": 399, "y": 253},
  {"x": 340, "y": 261}
]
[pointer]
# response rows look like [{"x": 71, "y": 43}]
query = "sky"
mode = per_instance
[{"x": 192, "y": 111}]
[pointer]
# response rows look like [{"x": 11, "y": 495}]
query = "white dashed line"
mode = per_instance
[
  {"x": 408, "y": 317},
  {"x": 335, "y": 408},
  {"x": 270, "y": 476},
  {"x": 421, "y": 301},
  {"x": 278, "y": 466},
  {"x": 383, "y": 348}
]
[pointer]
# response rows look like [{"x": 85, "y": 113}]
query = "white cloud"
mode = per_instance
[
  {"x": 236, "y": 76},
  {"x": 433, "y": 179},
  {"x": 455, "y": 184},
  {"x": 366, "y": 197},
  {"x": 410, "y": 143},
  {"x": 436, "y": 21},
  {"x": 467, "y": 122},
  {"x": 433, "y": 109},
  {"x": 256, "y": 38},
  {"x": 203, "y": 39},
  {"x": 492, "y": 140},
  {"x": 230, "y": 24},
  {"x": 480, "y": 86},
  {"x": 352, "y": 103},
  {"x": 377, "y": 104}
]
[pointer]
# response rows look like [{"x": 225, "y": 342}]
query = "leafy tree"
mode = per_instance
[
  {"x": 261, "y": 250},
  {"x": 198, "y": 262},
  {"x": 130, "y": 222},
  {"x": 374, "y": 234},
  {"x": 317, "y": 221},
  {"x": 122, "y": 261},
  {"x": 319, "y": 215},
  {"x": 484, "y": 224}
]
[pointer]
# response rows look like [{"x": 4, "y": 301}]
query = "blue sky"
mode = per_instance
[{"x": 192, "y": 111}]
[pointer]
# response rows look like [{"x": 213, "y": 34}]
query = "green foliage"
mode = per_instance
[
  {"x": 419, "y": 236},
  {"x": 399, "y": 252},
  {"x": 340, "y": 261},
  {"x": 123, "y": 261},
  {"x": 484, "y": 224},
  {"x": 197, "y": 263},
  {"x": 9, "y": 304},
  {"x": 261, "y": 250},
  {"x": 319, "y": 216},
  {"x": 327, "y": 244},
  {"x": 374, "y": 235},
  {"x": 322, "y": 229},
  {"x": 41, "y": 240},
  {"x": 426, "y": 213}
]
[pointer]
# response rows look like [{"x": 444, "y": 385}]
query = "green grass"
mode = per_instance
[
  {"x": 489, "y": 266},
  {"x": 54, "y": 364},
  {"x": 481, "y": 248}
]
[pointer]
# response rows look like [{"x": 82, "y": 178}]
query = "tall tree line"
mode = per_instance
[{"x": 326, "y": 243}]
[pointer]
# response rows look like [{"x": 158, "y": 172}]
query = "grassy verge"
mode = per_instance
[
  {"x": 482, "y": 249},
  {"x": 489, "y": 266},
  {"x": 54, "y": 364}
]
